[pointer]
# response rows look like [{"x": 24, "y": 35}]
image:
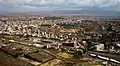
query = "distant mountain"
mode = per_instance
[
  {"x": 84, "y": 11},
  {"x": 89, "y": 11}
]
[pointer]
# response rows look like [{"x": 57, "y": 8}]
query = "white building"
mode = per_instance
[{"x": 99, "y": 47}]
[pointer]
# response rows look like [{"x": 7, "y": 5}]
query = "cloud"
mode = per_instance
[
  {"x": 60, "y": 4},
  {"x": 107, "y": 3}
]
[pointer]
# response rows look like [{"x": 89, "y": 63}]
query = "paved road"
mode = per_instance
[
  {"x": 113, "y": 59},
  {"x": 109, "y": 55}
]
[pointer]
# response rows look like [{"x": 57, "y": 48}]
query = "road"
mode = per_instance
[
  {"x": 113, "y": 58},
  {"x": 109, "y": 55}
]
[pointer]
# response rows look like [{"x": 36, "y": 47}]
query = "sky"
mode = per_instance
[{"x": 50, "y": 5}]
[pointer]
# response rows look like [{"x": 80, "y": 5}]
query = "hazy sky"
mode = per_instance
[{"x": 49, "y": 5}]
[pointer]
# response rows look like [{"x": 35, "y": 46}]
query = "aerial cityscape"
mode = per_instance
[{"x": 59, "y": 33}]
